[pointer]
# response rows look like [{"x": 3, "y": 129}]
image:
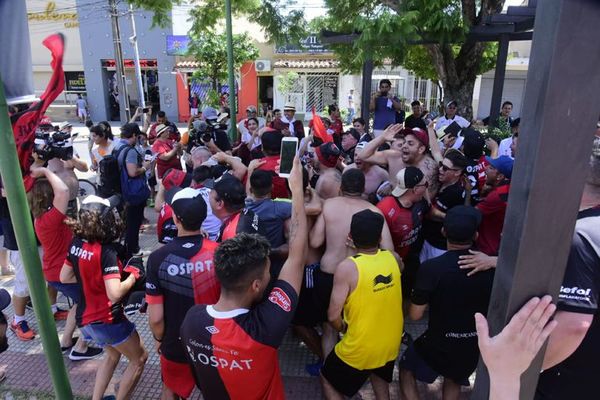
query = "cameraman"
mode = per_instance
[{"x": 215, "y": 138}]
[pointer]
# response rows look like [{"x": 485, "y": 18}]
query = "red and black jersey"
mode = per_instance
[
  {"x": 179, "y": 275},
  {"x": 93, "y": 263},
  {"x": 476, "y": 175},
  {"x": 166, "y": 230},
  {"x": 234, "y": 353},
  {"x": 245, "y": 221},
  {"x": 405, "y": 225}
]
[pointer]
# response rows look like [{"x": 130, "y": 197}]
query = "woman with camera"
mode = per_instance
[
  {"x": 49, "y": 202},
  {"x": 92, "y": 264}
]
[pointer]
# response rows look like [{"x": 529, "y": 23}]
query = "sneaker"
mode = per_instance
[
  {"x": 29, "y": 305},
  {"x": 91, "y": 352},
  {"x": 22, "y": 330},
  {"x": 64, "y": 349},
  {"x": 61, "y": 315}
]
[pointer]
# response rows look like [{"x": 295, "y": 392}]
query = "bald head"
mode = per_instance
[
  {"x": 329, "y": 183},
  {"x": 200, "y": 155}
]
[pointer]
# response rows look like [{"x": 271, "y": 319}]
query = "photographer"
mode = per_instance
[
  {"x": 215, "y": 137},
  {"x": 49, "y": 201},
  {"x": 93, "y": 265},
  {"x": 384, "y": 105}
]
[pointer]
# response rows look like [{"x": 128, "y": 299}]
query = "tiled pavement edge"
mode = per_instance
[{"x": 27, "y": 369}]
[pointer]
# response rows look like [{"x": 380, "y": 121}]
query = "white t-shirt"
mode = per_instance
[
  {"x": 443, "y": 122},
  {"x": 504, "y": 147},
  {"x": 212, "y": 224},
  {"x": 242, "y": 125},
  {"x": 81, "y": 104},
  {"x": 98, "y": 153}
]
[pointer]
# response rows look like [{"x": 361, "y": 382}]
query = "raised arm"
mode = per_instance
[
  {"x": 59, "y": 188},
  {"x": 292, "y": 269},
  {"x": 370, "y": 153},
  {"x": 238, "y": 168},
  {"x": 434, "y": 144}
]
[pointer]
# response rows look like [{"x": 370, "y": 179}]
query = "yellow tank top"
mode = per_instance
[{"x": 373, "y": 313}]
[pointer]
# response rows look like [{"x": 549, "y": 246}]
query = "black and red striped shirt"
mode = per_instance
[
  {"x": 234, "y": 353},
  {"x": 93, "y": 263},
  {"x": 179, "y": 275}
]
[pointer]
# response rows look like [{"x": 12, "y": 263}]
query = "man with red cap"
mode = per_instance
[{"x": 413, "y": 153}]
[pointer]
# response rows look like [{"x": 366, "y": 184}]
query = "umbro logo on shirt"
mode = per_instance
[
  {"x": 187, "y": 245},
  {"x": 382, "y": 279},
  {"x": 213, "y": 330}
]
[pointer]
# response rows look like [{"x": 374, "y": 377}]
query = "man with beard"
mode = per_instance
[
  {"x": 413, "y": 153},
  {"x": 384, "y": 106}
]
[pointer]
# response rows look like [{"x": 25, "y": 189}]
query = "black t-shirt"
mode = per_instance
[
  {"x": 245, "y": 221},
  {"x": 449, "y": 197},
  {"x": 415, "y": 122},
  {"x": 449, "y": 345},
  {"x": 576, "y": 377},
  {"x": 179, "y": 275},
  {"x": 234, "y": 354},
  {"x": 222, "y": 140}
]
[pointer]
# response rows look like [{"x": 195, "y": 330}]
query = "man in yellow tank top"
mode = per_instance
[{"x": 366, "y": 305}]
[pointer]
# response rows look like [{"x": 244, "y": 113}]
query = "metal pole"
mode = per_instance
[
  {"x": 136, "y": 58},
  {"x": 230, "y": 72},
  {"x": 21, "y": 217},
  {"x": 367, "y": 74},
  {"x": 124, "y": 111},
  {"x": 499, "y": 74}
]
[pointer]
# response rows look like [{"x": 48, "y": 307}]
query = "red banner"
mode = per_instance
[
  {"x": 319, "y": 129},
  {"x": 25, "y": 122}
]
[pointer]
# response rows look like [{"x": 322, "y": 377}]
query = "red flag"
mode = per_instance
[
  {"x": 25, "y": 123},
  {"x": 319, "y": 129}
]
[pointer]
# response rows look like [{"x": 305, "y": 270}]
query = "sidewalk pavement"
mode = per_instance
[{"x": 27, "y": 370}]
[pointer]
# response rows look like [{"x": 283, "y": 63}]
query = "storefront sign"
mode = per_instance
[
  {"x": 330, "y": 89},
  {"x": 49, "y": 13},
  {"x": 177, "y": 45},
  {"x": 310, "y": 45},
  {"x": 75, "y": 81}
]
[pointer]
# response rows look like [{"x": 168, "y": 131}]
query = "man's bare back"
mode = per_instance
[
  {"x": 335, "y": 222},
  {"x": 65, "y": 171},
  {"x": 374, "y": 177}
]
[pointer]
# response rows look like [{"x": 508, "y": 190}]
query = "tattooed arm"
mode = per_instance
[{"x": 291, "y": 271}]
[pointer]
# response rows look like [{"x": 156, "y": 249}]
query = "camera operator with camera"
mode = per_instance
[{"x": 210, "y": 133}]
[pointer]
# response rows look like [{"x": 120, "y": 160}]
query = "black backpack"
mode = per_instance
[{"x": 110, "y": 175}]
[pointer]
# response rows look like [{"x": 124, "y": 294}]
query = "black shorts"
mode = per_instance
[
  {"x": 315, "y": 294},
  {"x": 348, "y": 380},
  {"x": 412, "y": 361}
]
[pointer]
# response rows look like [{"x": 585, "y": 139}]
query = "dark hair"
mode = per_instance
[
  {"x": 385, "y": 81},
  {"x": 41, "y": 198},
  {"x": 227, "y": 110},
  {"x": 332, "y": 108},
  {"x": 103, "y": 129},
  {"x": 276, "y": 110},
  {"x": 240, "y": 260},
  {"x": 253, "y": 119},
  {"x": 353, "y": 181},
  {"x": 201, "y": 173},
  {"x": 231, "y": 192},
  {"x": 505, "y": 103},
  {"x": 271, "y": 142},
  {"x": 89, "y": 123},
  {"x": 93, "y": 226},
  {"x": 261, "y": 182},
  {"x": 415, "y": 103},
  {"x": 457, "y": 158},
  {"x": 360, "y": 120},
  {"x": 161, "y": 114}
]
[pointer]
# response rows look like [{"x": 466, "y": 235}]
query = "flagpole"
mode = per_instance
[
  {"x": 21, "y": 217},
  {"x": 230, "y": 73}
]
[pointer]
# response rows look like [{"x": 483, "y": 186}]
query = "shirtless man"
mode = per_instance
[
  {"x": 332, "y": 227},
  {"x": 329, "y": 183},
  {"x": 412, "y": 154},
  {"x": 374, "y": 174},
  {"x": 65, "y": 171}
]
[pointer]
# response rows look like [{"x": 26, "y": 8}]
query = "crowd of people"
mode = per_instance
[{"x": 371, "y": 228}]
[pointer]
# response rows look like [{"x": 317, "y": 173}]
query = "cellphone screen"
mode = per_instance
[{"x": 288, "y": 151}]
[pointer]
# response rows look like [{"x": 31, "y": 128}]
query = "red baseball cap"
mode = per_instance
[{"x": 421, "y": 135}]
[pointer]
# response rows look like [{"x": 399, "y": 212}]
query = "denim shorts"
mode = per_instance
[
  {"x": 109, "y": 334},
  {"x": 71, "y": 290}
]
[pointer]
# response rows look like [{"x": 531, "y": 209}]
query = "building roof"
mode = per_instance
[{"x": 306, "y": 63}]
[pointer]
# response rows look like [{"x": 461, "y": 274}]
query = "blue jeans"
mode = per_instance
[
  {"x": 350, "y": 116},
  {"x": 108, "y": 334}
]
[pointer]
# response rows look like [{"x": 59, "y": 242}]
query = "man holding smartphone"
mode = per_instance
[{"x": 384, "y": 105}]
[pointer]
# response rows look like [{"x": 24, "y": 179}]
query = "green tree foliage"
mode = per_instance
[{"x": 210, "y": 50}]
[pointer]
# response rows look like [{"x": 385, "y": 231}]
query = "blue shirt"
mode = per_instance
[
  {"x": 384, "y": 116},
  {"x": 272, "y": 214},
  {"x": 133, "y": 156}
]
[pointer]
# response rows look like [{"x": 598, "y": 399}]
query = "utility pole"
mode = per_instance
[
  {"x": 136, "y": 58},
  {"x": 230, "y": 71},
  {"x": 124, "y": 111}
]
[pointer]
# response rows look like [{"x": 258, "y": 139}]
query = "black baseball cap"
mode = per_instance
[
  {"x": 407, "y": 178},
  {"x": 473, "y": 143},
  {"x": 366, "y": 227},
  {"x": 461, "y": 223},
  {"x": 230, "y": 190},
  {"x": 187, "y": 204}
]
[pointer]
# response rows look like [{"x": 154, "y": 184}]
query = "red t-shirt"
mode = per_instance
[
  {"x": 161, "y": 147},
  {"x": 337, "y": 127},
  {"x": 493, "y": 208},
  {"x": 55, "y": 238},
  {"x": 280, "y": 189},
  {"x": 405, "y": 225}
]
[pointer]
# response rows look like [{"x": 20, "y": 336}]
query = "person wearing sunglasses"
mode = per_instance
[{"x": 451, "y": 194}]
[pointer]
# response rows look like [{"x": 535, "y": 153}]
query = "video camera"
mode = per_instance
[
  {"x": 202, "y": 132},
  {"x": 53, "y": 142}
]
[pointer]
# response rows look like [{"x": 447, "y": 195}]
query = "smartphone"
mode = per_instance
[
  {"x": 145, "y": 110},
  {"x": 289, "y": 148}
]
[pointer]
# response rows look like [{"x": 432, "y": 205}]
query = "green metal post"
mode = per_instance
[
  {"x": 230, "y": 72},
  {"x": 21, "y": 217}
]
